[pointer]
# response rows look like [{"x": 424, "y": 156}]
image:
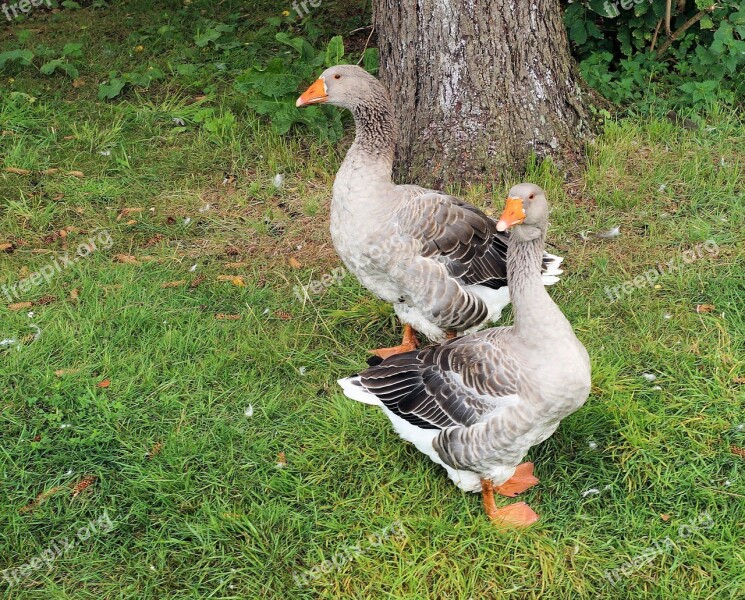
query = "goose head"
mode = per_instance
[
  {"x": 525, "y": 211},
  {"x": 347, "y": 86}
]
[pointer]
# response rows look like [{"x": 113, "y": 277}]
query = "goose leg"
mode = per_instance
[
  {"x": 522, "y": 480},
  {"x": 513, "y": 515},
  {"x": 408, "y": 344}
]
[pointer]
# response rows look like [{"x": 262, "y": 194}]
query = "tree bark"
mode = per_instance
[{"x": 479, "y": 85}]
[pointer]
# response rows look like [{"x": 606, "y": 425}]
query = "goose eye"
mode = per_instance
[
  {"x": 337, "y": 76},
  {"x": 531, "y": 197}
]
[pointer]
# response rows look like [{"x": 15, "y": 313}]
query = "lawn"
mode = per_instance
[{"x": 169, "y": 405}]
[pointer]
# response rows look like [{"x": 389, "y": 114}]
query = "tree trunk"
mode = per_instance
[{"x": 478, "y": 85}]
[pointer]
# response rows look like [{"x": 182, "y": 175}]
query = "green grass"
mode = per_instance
[{"x": 211, "y": 514}]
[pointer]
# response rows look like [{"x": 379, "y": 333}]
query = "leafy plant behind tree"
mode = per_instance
[
  {"x": 625, "y": 51},
  {"x": 272, "y": 89}
]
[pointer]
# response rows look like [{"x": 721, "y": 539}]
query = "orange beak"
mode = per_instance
[
  {"x": 513, "y": 214},
  {"x": 315, "y": 94}
]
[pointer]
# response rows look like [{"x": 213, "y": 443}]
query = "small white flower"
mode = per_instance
[
  {"x": 249, "y": 412},
  {"x": 279, "y": 179},
  {"x": 649, "y": 376},
  {"x": 592, "y": 445},
  {"x": 30, "y": 314}
]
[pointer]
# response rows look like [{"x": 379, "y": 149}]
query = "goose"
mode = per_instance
[
  {"x": 476, "y": 404},
  {"x": 440, "y": 261}
]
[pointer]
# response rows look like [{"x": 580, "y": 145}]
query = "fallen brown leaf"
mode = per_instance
[
  {"x": 295, "y": 263},
  {"x": 224, "y": 277},
  {"x": 197, "y": 281},
  {"x": 76, "y": 174},
  {"x": 78, "y": 83},
  {"x": 83, "y": 485},
  {"x": 153, "y": 240},
  {"x": 281, "y": 460},
  {"x": 224, "y": 317},
  {"x": 126, "y": 259},
  {"x": 17, "y": 171},
  {"x": 131, "y": 222},
  {"x": 665, "y": 517},
  {"x": 154, "y": 451},
  {"x": 50, "y": 171},
  {"x": 45, "y": 300},
  {"x": 74, "y": 295},
  {"x": 125, "y": 212},
  {"x": 173, "y": 284},
  {"x": 20, "y": 305},
  {"x": 62, "y": 233},
  {"x": 63, "y": 372},
  {"x": 41, "y": 498},
  {"x": 704, "y": 308},
  {"x": 736, "y": 450},
  {"x": 7, "y": 247},
  {"x": 283, "y": 314},
  {"x": 739, "y": 380},
  {"x": 104, "y": 384},
  {"x": 238, "y": 281},
  {"x": 59, "y": 197},
  {"x": 69, "y": 137},
  {"x": 235, "y": 265}
]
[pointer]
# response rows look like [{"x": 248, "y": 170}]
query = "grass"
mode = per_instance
[{"x": 212, "y": 500}]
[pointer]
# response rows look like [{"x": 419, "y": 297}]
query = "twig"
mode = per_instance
[
  {"x": 685, "y": 27},
  {"x": 369, "y": 37},
  {"x": 654, "y": 38},
  {"x": 668, "y": 11}
]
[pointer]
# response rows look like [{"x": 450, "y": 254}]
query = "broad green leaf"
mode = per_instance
[
  {"x": 24, "y": 57},
  {"x": 334, "y": 51}
]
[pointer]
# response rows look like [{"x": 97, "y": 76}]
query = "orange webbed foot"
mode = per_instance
[{"x": 522, "y": 480}]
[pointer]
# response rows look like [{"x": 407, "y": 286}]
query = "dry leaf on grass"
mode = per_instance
[
  {"x": 131, "y": 222},
  {"x": 17, "y": 171},
  {"x": 126, "y": 259},
  {"x": 224, "y": 277},
  {"x": 20, "y": 305},
  {"x": 281, "y": 460},
  {"x": 238, "y": 281},
  {"x": 197, "y": 281},
  {"x": 665, "y": 517},
  {"x": 74, "y": 295},
  {"x": 76, "y": 174},
  {"x": 125, "y": 212},
  {"x": 78, "y": 83},
  {"x": 295, "y": 263},
  {"x": 83, "y": 485},
  {"x": 104, "y": 384},
  {"x": 224, "y": 317},
  {"x": 173, "y": 284},
  {"x": 51, "y": 171},
  {"x": 283, "y": 314},
  {"x": 153, "y": 240},
  {"x": 154, "y": 451},
  {"x": 40, "y": 499},
  {"x": 739, "y": 380},
  {"x": 736, "y": 450},
  {"x": 44, "y": 300},
  {"x": 7, "y": 247},
  {"x": 704, "y": 308},
  {"x": 63, "y": 372}
]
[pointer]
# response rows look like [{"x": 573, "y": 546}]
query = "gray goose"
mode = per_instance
[
  {"x": 440, "y": 261},
  {"x": 478, "y": 403}
]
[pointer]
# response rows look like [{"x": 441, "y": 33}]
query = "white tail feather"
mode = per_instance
[{"x": 354, "y": 391}]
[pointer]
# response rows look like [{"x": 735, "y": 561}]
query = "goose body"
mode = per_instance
[
  {"x": 476, "y": 404},
  {"x": 440, "y": 261}
]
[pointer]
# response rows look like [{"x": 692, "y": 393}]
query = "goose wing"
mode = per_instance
[{"x": 455, "y": 384}]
